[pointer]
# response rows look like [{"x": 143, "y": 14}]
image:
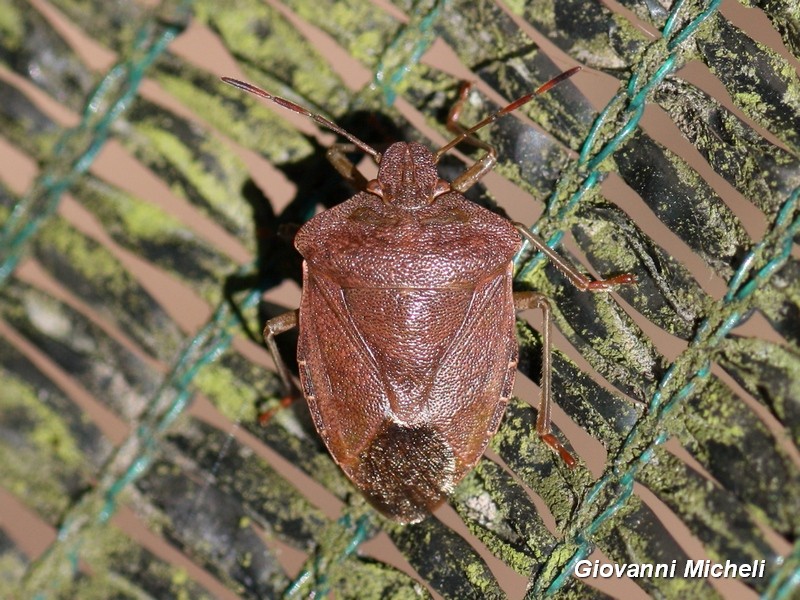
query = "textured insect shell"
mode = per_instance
[{"x": 407, "y": 347}]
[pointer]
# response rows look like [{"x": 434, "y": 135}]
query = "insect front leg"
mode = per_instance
[
  {"x": 578, "y": 279},
  {"x": 524, "y": 301},
  {"x": 337, "y": 156},
  {"x": 487, "y": 162},
  {"x": 275, "y": 326}
]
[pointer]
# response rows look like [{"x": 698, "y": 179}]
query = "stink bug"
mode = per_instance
[{"x": 407, "y": 349}]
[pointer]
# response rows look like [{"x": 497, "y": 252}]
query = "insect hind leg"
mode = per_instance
[{"x": 524, "y": 301}]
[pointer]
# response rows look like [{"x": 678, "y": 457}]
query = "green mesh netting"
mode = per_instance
[{"x": 95, "y": 339}]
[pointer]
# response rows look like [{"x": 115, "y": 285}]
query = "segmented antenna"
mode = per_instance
[
  {"x": 257, "y": 91},
  {"x": 249, "y": 87}
]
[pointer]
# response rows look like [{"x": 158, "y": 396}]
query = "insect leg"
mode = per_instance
[
  {"x": 280, "y": 324},
  {"x": 487, "y": 162},
  {"x": 337, "y": 156},
  {"x": 524, "y": 301},
  {"x": 578, "y": 279}
]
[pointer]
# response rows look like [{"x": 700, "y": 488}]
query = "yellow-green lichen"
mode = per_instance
[
  {"x": 142, "y": 220},
  {"x": 273, "y": 137},
  {"x": 223, "y": 192},
  {"x": 233, "y": 398},
  {"x": 12, "y": 25},
  {"x": 50, "y": 435},
  {"x": 86, "y": 256}
]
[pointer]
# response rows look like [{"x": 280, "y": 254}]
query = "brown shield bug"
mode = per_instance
[{"x": 407, "y": 349}]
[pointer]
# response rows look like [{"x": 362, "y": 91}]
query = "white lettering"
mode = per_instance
[
  {"x": 583, "y": 568},
  {"x": 662, "y": 570},
  {"x": 734, "y": 569},
  {"x": 695, "y": 568},
  {"x": 606, "y": 570}
]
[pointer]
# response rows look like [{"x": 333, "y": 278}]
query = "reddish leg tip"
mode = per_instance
[
  {"x": 464, "y": 89},
  {"x": 567, "y": 457},
  {"x": 266, "y": 416},
  {"x": 556, "y": 446},
  {"x": 611, "y": 282}
]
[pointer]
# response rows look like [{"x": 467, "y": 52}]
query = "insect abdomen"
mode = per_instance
[{"x": 405, "y": 472}]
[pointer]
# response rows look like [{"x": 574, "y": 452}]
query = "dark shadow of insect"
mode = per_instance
[{"x": 407, "y": 350}]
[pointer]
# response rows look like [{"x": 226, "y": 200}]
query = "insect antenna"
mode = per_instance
[
  {"x": 257, "y": 91},
  {"x": 505, "y": 110}
]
